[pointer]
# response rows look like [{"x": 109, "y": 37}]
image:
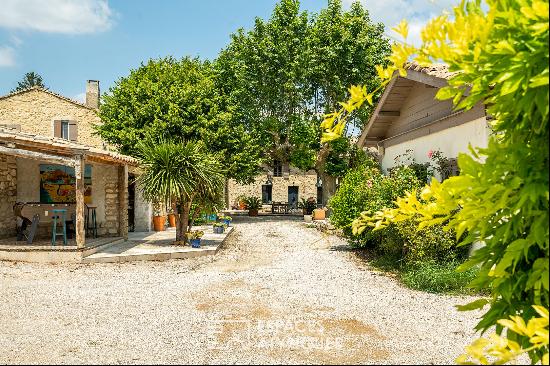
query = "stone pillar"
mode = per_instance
[
  {"x": 80, "y": 190},
  {"x": 123, "y": 201},
  {"x": 8, "y": 195}
]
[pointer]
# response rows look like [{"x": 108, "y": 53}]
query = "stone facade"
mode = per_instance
[
  {"x": 35, "y": 110},
  {"x": 8, "y": 194},
  {"x": 111, "y": 205},
  {"x": 305, "y": 181}
]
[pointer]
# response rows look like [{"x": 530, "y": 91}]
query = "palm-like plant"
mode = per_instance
[{"x": 177, "y": 173}]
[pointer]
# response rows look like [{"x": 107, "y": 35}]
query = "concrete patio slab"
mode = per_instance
[
  {"x": 42, "y": 251},
  {"x": 158, "y": 247}
]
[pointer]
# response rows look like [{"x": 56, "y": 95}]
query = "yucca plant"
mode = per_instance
[{"x": 178, "y": 172}]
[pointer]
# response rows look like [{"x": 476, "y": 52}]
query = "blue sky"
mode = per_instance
[{"x": 70, "y": 41}]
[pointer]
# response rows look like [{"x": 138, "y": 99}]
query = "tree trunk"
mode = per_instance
[
  {"x": 329, "y": 187},
  {"x": 183, "y": 221},
  {"x": 226, "y": 193},
  {"x": 329, "y": 182},
  {"x": 194, "y": 216}
]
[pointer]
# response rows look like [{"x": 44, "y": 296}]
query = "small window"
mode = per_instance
[
  {"x": 65, "y": 129},
  {"x": 277, "y": 168}
]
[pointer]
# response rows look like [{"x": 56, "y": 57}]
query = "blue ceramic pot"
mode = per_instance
[
  {"x": 227, "y": 222},
  {"x": 195, "y": 243}
]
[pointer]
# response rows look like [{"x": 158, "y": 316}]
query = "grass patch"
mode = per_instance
[
  {"x": 432, "y": 276},
  {"x": 439, "y": 278}
]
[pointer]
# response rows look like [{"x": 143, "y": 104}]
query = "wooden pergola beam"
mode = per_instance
[
  {"x": 79, "y": 165},
  {"x": 55, "y": 159}
]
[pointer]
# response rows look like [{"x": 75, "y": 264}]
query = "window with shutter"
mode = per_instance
[
  {"x": 57, "y": 129},
  {"x": 73, "y": 131},
  {"x": 65, "y": 129}
]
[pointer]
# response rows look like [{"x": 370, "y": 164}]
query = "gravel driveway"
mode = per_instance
[{"x": 278, "y": 292}]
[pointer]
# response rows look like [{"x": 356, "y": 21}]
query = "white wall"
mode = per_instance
[{"x": 450, "y": 142}]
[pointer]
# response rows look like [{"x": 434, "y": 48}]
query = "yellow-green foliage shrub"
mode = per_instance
[{"x": 501, "y": 197}]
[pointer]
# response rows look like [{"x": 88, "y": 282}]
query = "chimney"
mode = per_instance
[{"x": 92, "y": 94}]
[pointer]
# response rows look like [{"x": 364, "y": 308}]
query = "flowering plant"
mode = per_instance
[{"x": 195, "y": 234}]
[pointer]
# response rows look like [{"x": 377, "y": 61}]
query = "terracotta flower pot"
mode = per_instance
[
  {"x": 253, "y": 212},
  {"x": 158, "y": 223},
  {"x": 318, "y": 214},
  {"x": 172, "y": 220}
]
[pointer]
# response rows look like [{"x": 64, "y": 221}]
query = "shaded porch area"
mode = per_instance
[{"x": 59, "y": 185}]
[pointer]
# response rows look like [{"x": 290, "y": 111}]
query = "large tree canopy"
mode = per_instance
[
  {"x": 285, "y": 73},
  {"x": 177, "y": 98}
]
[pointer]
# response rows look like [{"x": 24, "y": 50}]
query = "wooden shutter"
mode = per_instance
[
  {"x": 73, "y": 131},
  {"x": 57, "y": 129}
]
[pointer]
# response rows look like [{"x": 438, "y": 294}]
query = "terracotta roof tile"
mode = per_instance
[{"x": 437, "y": 70}]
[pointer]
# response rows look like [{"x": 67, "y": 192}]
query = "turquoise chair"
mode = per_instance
[{"x": 59, "y": 214}]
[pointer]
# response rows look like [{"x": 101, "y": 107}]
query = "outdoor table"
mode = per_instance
[{"x": 277, "y": 207}]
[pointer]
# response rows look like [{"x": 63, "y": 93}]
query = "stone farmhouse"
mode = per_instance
[
  {"x": 50, "y": 158},
  {"x": 280, "y": 183}
]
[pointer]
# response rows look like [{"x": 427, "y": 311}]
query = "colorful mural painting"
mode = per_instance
[{"x": 57, "y": 184}]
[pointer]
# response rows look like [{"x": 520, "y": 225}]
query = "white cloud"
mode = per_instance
[
  {"x": 80, "y": 97},
  {"x": 7, "y": 56},
  {"x": 56, "y": 16},
  {"x": 416, "y": 12}
]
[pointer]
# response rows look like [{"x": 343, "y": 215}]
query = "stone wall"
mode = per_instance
[
  {"x": 109, "y": 178},
  {"x": 305, "y": 181},
  {"x": 35, "y": 110},
  {"x": 8, "y": 195}
]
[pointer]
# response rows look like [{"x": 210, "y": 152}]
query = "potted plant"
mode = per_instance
[
  {"x": 253, "y": 204},
  {"x": 307, "y": 206},
  {"x": 226, "y": 220},
  {"x": 171, "y": 217},
  {"x": 242, "y": 202},
  {"x": 158, "y": 219},
  {"x": 194, "y": 237},
  {"x": 319, "y": 214},
  {"x": 219, "y": 227}
]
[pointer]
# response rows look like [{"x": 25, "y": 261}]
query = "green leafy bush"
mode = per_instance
[{"x": 430, "y": 243}]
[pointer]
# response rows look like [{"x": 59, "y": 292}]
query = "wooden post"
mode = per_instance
[
  {"x": 123, "y": 201},
  {"x": 79, "y": 165}
]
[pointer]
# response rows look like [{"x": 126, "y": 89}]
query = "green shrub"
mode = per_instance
[
  {"x": 430, "y": 243},
  {"x": 353, "y": 196},
  {"x": 438, "y": 277}
]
